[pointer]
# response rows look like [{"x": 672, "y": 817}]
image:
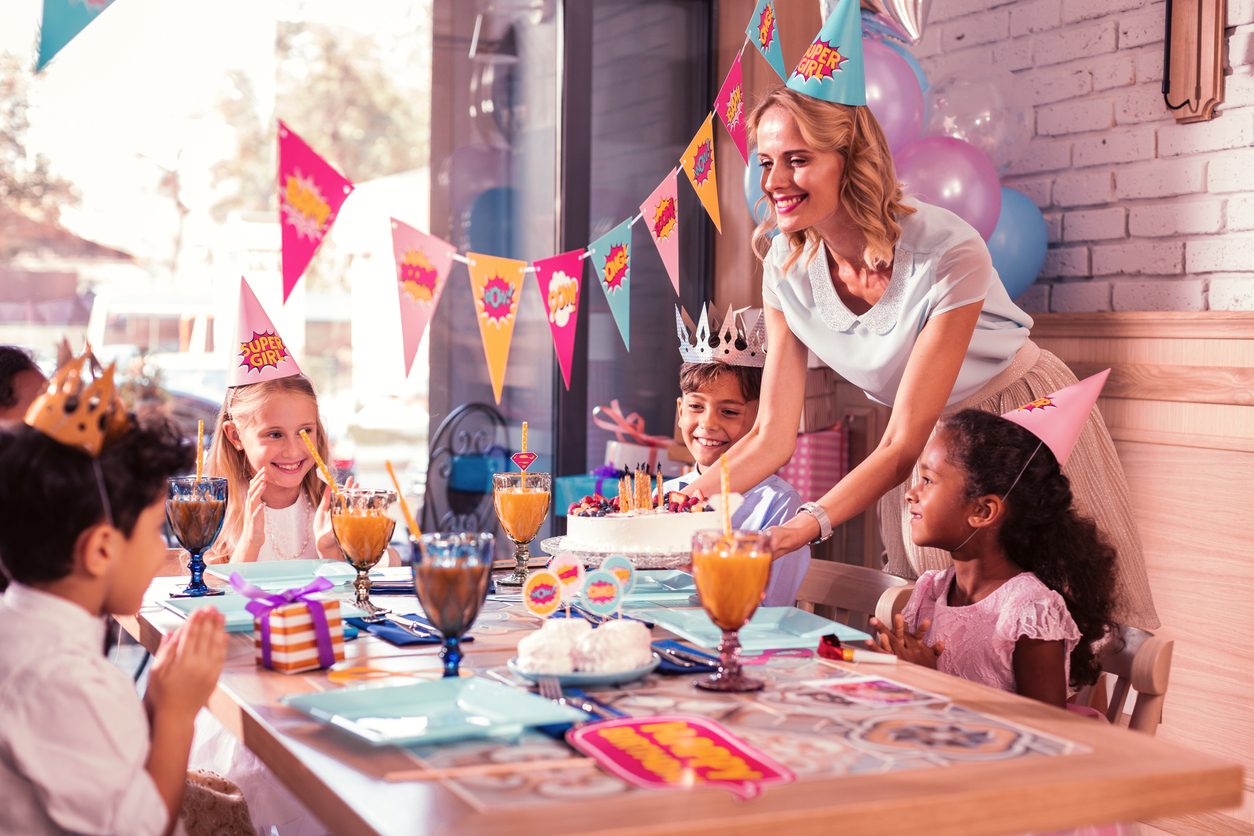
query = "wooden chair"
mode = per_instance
[
  {"x": 855, "y": 592},
  {"x": 1143, "y": 664}
]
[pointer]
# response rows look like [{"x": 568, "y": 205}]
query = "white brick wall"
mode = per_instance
[{"x": 1142, "y": 213}]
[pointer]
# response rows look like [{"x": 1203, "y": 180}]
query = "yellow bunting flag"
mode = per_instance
[
  {"x": 699, "y": 166},
  {"x": 496, "y": 284}
]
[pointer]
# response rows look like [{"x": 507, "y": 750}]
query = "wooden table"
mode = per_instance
[{"x": 1116, "y": 775}]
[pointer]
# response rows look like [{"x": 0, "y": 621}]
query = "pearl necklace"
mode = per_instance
[{"x": 274, "y": 542}]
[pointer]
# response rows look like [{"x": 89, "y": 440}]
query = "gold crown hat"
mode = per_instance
[
  {"x": 87, "y": 415},
  {"x": 734, "y": 343}
]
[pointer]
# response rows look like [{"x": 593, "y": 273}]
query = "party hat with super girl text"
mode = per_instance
[
  {"x": 832, "y": 67},
  {"x": 258, "y": 351},
  {"x": 1058, "y": 418}
]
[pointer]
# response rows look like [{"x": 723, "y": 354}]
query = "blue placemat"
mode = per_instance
[
  {"x": 579, "y": 612},
  {"x": 667, "y": 666},
  {"x": 399, "y": 636}
]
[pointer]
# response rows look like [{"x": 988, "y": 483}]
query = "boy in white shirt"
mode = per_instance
[{"x": 80, "y": 538}]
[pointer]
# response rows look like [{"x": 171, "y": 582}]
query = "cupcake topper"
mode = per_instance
[
  {"x": 570, "y": 574},
  {"x": 522, "y": 458},
  {"x": 542, "y": 593},
  {"x": 602, "y": 593},
  {"x": 624, "y": 572}
]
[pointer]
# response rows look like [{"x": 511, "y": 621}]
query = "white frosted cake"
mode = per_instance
[{"x": 645, "y": 532}]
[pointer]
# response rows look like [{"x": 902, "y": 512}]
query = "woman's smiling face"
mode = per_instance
[{"x": 802, "y": 182}]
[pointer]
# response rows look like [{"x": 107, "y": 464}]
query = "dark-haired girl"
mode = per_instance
[{"x": 1029, "y": 593}]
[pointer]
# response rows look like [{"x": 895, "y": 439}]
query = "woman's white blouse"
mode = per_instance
[{"x": 940, "y": 264}]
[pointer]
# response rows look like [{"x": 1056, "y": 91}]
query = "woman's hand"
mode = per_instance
[
  {"x": 253, "y": 536},
  {"x": 792, "y": 535},
  {"x": 324, "y": 534},
  {"x": 906, "y": 645}
]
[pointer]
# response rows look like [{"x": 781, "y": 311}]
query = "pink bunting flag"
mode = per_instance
[
  {"x": 310, "y": 195},
  {"x": 560, "y": 279},
  {"x": 730, "y": 107},
  {"x": 422, "y": 265},
  {"x": 660, "y": 214}
]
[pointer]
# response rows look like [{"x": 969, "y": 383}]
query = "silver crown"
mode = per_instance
[{"x": 734, "y": 343}]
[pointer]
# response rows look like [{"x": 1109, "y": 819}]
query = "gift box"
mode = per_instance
[
  {"x": 819, "y": 413},
  {"x": 622, "y": 455},
  {"x": 819, "y": 462},
  {"x": 296, "y": 630}
]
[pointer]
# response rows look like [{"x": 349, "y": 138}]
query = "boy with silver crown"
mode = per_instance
[{"x": 720, "y": 384}]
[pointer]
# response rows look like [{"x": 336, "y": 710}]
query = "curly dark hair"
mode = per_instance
[
  {"x": 1042, "y": 533},
  {"x": 48, "y": 492},
  {"x": 13, "y": 361}
]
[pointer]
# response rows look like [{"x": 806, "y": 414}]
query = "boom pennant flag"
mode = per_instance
[
  {"x": 730, "y": 107},
  {"x": 764, "y": 34},
  {"x": 661, "y": 215},
  {"x": 560, "y": 279},
  {"x": 611, "y": 262},
  {"x": 699, "y": 166},
  {"x": 422, "y": 265},
  {"x": 62, "y": 21},
  {"x": 496, "y": 284},
  {"x": 310, "y": 195},
  {"x": 832, "y": 67}
]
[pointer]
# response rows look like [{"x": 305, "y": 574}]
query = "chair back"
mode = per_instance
[
  {"x": 855, "y": 592},
  {"x": 1143, "y": 665},
  {"x": 470, "y": 445}
]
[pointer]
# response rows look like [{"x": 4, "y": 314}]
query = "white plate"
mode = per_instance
[
  {"x": 771, "y": 628},
  {"x": 586, "y": 679}
]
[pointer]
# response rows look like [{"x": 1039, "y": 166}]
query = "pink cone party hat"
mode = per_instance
[
  {"x": 1058, "y": 418},
  {"x": 259, "y": 353}
]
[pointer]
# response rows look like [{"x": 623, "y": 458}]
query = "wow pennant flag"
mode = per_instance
[
  {"x": 422, "y": 265},
  {"x": 832, "y": 68},
  {"x": 560, "y": 279},
  {"x": 611, "y": 262},
  {"x": 661, "y": 215},
  {"x": 699, "y": 166},
  {"x": 730, "y": 107},
  {"x": 310, "y": 195},
  {"x": 764, "y": 34},
  {"x": 496, "y": 284},
  {"x": 259, "y": 353},
  {"x": 63, "y": 19}
]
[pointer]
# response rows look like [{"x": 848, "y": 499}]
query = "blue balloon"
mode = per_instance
[
  {"x": 1018, "y": 242},
  {"x": 753, "y": 189}
]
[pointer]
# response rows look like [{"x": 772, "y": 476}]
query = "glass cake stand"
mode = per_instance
[{"x": 641, "y": 560}]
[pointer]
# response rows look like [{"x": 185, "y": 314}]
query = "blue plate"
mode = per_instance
[
  {"x": 427, "y": 712},
  {"x": 284, "y": 574},
  {"x": 771, "y": 628},
  {"x": 584, "y": 679},
  {"x": 668, "y": 585},
  {"x": 232, "y": 606}
]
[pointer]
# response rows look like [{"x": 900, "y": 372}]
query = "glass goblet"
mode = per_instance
[
  {"x": 195, "y": 509},
  {"x": 731, "y": 572},
  {"x": 452, "y": 573},
  {"x": 522, "y": 504},
  {"x": 363, "y": 530}
]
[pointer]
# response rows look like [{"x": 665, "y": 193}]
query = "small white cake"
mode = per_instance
[
  {"x": 617, "y": 645},
  {"x": 551, "y": 649}
]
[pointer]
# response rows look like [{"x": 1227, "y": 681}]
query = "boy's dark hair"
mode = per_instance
[
  {"x": 693, "y": 377},
  {"x": 13, "y": 361},
  {"x": 1042, "y": 533},
  {"x": 49, "y": 495}
]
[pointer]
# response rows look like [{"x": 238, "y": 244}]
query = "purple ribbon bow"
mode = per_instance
[
  {"x": 607, "y": 471},
  {"x": 263, "y": 602}
]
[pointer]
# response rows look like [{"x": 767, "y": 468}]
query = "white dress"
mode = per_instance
[{"x": 288, "y": 530}]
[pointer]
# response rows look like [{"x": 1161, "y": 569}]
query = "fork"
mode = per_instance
[{"x": 550, "y": 688}]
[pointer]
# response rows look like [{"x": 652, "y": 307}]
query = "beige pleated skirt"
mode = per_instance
[{"x": 1097, "y": 483}]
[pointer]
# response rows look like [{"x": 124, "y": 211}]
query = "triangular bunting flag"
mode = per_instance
[
  {"x": 832, "y": 68},
  {"x": 560, "y": 279},
  {"x": 1058, "y": 418},
  {"x": 611, "y": 263},
  {"x": 496, "y": 284},
  {"x": 63, "y": 19},
  {"x": 699, "y": 166},
  {"x": 730, "y": 107},
  {"x": 310, "y": 195},
  {"x": 422, "y": 265},
  {"x": 764, "y": 34},
  {"x": 661, "y": 215},
  {"x": 259, "y": 353}
]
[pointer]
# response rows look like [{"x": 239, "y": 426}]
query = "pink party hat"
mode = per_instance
[
  {"x": 1058, "y": 418},
  {"x": 259, "y": 353}
]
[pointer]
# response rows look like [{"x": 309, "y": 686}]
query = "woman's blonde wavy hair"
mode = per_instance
[
  {"x": 869, "y": 191},
  {"x": 224, "y": 460}
]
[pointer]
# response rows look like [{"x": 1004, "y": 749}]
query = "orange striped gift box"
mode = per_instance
[{"x": 293, "y": 643}]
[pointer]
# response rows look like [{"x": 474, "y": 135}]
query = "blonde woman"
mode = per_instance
[{"x": 901, "y": 299}]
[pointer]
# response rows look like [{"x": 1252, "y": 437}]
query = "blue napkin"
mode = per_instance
[
  {"x": 399, "y": 636},
  {"x": 580, "y": 612},
  {"x": 406, "y": 587},
  {"x": 667, "y": 666}
]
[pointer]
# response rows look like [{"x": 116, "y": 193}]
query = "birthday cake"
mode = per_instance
[{"x": 595, "y": 525}]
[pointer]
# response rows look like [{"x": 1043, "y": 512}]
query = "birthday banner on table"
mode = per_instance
[
  {"x": 699, "y": 166},
  {"x": 422, "y": 265},
  {"x": 560, "y": 279},
  {"x": 62, "y": 21},
  {"x": 730, "y": 107},
  {"x": 497, "y": 283},
  {"x": 661, "y": 215},
  {"x": 764, "y": 34},
  {"x": 310, "y": 194},
  {"x": 611, "y": 261}
]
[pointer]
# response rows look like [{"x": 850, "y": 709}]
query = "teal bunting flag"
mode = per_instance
[
  {"x": 832, "y": 68},
  {"x": 63, "y": 19},
  {"x": 610, "y": 256},
  {"x": 764, "y": 34}
]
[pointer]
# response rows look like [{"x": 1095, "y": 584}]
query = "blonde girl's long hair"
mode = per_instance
[
  {"x": 232, "y": 464},
  {"x": 869, "y": 191}
]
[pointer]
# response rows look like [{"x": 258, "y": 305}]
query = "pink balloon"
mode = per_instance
[
  {"x": 893, "y": 94},
  {"x": 952, "y": 174}
]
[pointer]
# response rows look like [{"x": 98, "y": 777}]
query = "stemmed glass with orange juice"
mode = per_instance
[
  {"x": 731, "y": 571},
  {"x": 522, "y": 504},
  {"x": 363, "y": 530}
]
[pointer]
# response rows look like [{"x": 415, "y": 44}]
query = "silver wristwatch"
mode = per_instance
[{"x": 825, "y": 524}]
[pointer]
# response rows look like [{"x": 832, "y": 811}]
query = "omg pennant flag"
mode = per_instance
[
  {"x": 611, "y": 262},
  {"x": 422, "y": 265},
  {"x": 730, "y": 107},
  {"x": 560, "y": 279},
  {"x": 661, "y": 215},
  {"x": 496, "y": 284},
  {"x": 832, "y": 68},
  {"x": 699, "y": 166},
  {"x": 310, "y": 195},
  {"x": 63, "y": 19},
  {"x": 764, "y": 34}
]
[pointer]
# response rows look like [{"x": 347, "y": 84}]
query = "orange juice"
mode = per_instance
[
  {"x": 731, "y": 583},
  {"x": 521, "y": 511},
  {"x": 362, "y": 536}
]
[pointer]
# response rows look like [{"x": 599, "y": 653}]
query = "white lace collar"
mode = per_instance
[{"x": 882, "y": 316}]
